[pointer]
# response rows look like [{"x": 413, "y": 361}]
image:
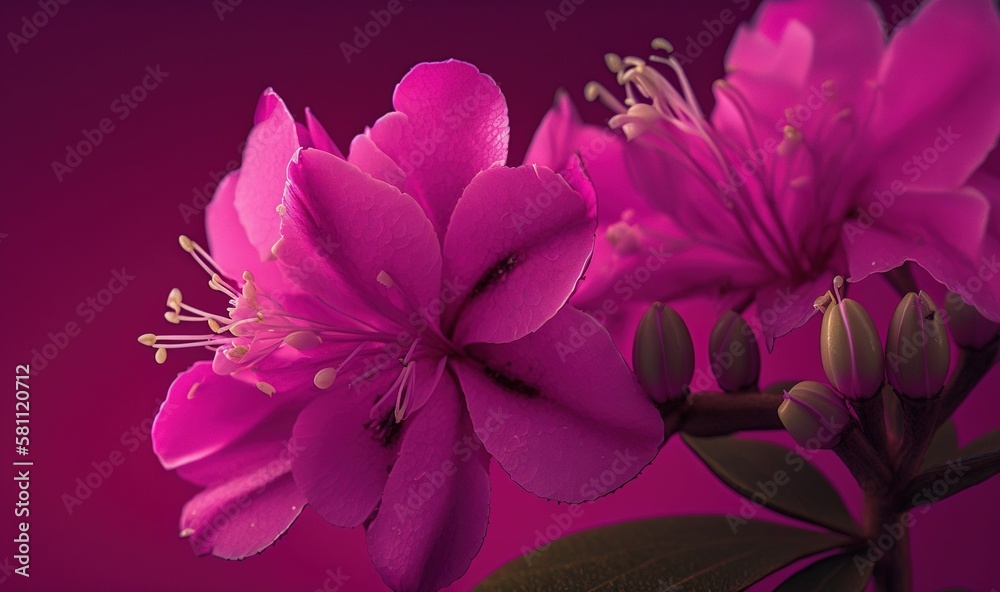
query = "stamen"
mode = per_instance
[
  {"x": 324, "y": 378},
  {"x": 303, "y": 340},
  {"x": 147, "y": 339},
  {"x": 384, "y": 278},
  {"x": 161, "y": 356},
  {"x": 266, "y": 388}
]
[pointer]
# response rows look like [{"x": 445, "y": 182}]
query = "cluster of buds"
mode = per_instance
[{"x": 663, "y": 354}]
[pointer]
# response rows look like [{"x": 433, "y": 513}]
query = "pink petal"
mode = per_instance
[
  {"x": 343, "y": 467},
  {"x": 459, "y": 128},
  {"x": 781, "y": 308},
  {"x": 271, "y": 144},
  {"x": 318, "y": 136},
  {"x": 517, "y": 244},
  {"x": 807, "y": 42},
  {"x": 943, "y": 233},
  {"x": 205, "y": 413},
  {"x": 935, "y": 119},
  {"x": 229, "y": 436},
  {"x": 243, "y": 516},
  {"x": 435, "y": 508},
  {"x": 368, "y": 157},
  {"x": 352, "y": 237},
  {"x": 228, "y": 242},
  {"x": 560, "y": 411},
  {"x": 562, "y": 134}
]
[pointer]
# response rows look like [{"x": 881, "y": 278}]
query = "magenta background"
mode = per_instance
[{"x": 119, "y": 208}]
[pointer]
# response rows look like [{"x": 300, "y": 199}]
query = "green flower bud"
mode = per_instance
[
  {"x": 733, "y": 353},
  {"x": 851, "y": 349},
  {"x": 970, "y": 329},
  {"x": 814, "y": 415},
  {"x": 662, "y": 354},
  {"x": 917, "y": 352}
]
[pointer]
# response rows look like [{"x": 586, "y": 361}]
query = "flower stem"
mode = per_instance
[{"x": 719, "y": 414}]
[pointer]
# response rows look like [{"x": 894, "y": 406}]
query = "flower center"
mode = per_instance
[
  {"x": 749, "y": 176},
  {"x": 257, "y": 325}
]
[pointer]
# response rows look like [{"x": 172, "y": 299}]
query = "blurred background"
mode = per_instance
[{"x": 94, "y": 243}]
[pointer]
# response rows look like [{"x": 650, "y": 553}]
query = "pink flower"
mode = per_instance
[
  {"x": 430, "y": 305},
  {"x": 829, "y": 150},
  {"x": 215, "y": 430}
]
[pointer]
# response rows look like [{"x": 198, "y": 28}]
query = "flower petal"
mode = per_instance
[
  {"x": 560, "y": 411},
  {"x": 270, "y": 146},
  {"x": 943, "y": 233},
  {"x": 936, "y": 120},
  {"x": 349, "y": 235},
  {"x": 435, "y": 508},
  {"x": 205, "y": 413},
  {"x": 243, "y": 516},
  {"x": 343, "y": 466},
  {"x": 318, "y": 136},
  {"x": 517, "y": 244},
  {"x": 228, "y": 242},
  {"x": 459, "y": 128},
  {"x": 562, "y": 134}
]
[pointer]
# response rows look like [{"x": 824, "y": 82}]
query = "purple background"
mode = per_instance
[{"x": 120, "y": 208}]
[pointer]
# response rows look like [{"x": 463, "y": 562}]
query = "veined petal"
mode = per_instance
[
  {"x": 517, "y": 244},
  {"x": 936, "y": 120},
  {"x": 435, "y": 508},
  {"x": 270, "y": 146},
  {"x": 560, "y": 411},
  {"x": 459, "y": 128},
  {"x": 351, "y": 235}
]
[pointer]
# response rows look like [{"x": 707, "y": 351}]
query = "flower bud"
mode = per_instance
[
  {"x": 970, "y": 329},
  {"x": 814, "y": 415},
  {"x": 733, "y": 353},
  {"x": 917, "y": 352},
  {"x": 662, "y": 354},
  {"x": 851, "y": 350}
]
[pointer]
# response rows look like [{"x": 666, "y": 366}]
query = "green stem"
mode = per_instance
[{"x": 720, "y": 414}]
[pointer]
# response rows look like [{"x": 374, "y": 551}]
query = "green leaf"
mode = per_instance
[
  {"x": 775, "y": 477},
  {"x": 688, "y": 553},
  {"x": 945, "y": 481},
  {"x": 989, "y": 442},
  {"x": 836, "y": 573},
  {"x": 943, "y": 447}
]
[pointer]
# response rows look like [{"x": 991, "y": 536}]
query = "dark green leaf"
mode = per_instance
[
  {"x": 986, "y": 443},
  {"x": 943, "y": 447},
  {"x": 775, "y": 477},
  {"x": 688, "y": 553},
  {"x": 945, "y": 481},
  {"x": 836, "y": 573}
]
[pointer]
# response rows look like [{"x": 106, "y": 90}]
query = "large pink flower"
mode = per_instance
[
  {"x": 829, "y": 151},
  {"x": 427, "y": 330}
]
